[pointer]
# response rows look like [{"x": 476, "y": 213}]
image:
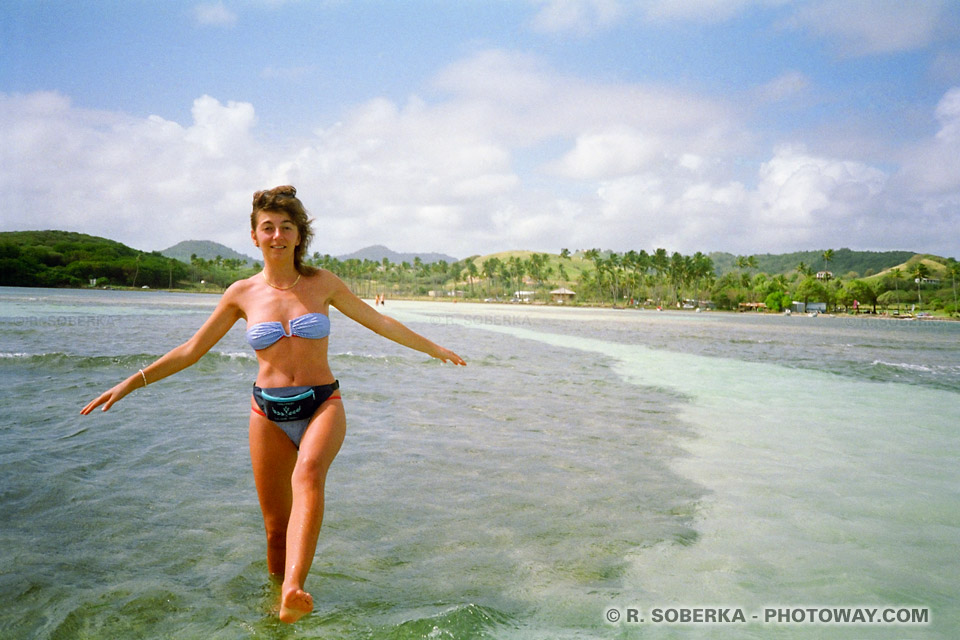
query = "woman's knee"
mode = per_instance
[
  {"x": 276, "y": 535},
  {"x": 310, "y": 471}
]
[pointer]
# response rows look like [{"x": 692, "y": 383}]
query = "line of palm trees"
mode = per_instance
[
  {"x": 616, "y": 277},
  {"x": 493, "y": 276},
  {"x": 630, "y": 274}
]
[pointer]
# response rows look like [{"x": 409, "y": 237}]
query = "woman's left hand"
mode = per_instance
[{"x": 448, "y": 356}]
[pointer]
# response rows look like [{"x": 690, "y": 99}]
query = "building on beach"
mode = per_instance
[{"x": 562, "y": 295}]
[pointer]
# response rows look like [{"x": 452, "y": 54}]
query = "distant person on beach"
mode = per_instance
[{"x": 297, "y": 421}]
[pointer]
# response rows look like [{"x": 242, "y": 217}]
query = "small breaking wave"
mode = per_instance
[
  {"x": 906, "y": 366},
  {"x": 58, "y": 360},
  {"x": 459, "y": 621}
]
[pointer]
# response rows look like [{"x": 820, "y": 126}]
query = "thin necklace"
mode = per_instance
[{"x": 264, "y": 274}]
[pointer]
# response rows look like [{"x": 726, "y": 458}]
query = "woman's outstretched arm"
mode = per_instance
[
  {"x": 179, "y": 358},
  {"x": 359, "y": 311}
]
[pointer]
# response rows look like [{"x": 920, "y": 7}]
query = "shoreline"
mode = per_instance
[
  {"x": 504, "y": 303},
  {"x": 544, "y": 305}
]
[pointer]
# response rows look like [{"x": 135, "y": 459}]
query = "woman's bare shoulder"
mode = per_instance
[
  {"x": 331, "y": 283},
  {"x": 239, "y": 290}
]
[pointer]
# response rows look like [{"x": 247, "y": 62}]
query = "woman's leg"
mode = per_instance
[
  {"x": 318, "y": 448},
  {"x": 273, "y": 457}
]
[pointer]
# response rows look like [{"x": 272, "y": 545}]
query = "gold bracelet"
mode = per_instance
[{"x": 144, "y": 376}]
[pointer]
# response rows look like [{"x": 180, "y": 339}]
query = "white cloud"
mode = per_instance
[
  {"x": 855, "y": 27},
  {"x": 615, "y": 151},
  {"x": 864, "y": 27},
  {"x": 931, "y": 167},
  {"x": 146, "y": 182},
  {"x": 786, "y": 86},
  {"x": 220, "y": 129},
  {"x": 562, "y": 162},
  {"x": 576, "y": 16},
  {"x": 214, "y": 15},
  {"x": 803, "y": 193},
  {"x": 948, "y": 113}
]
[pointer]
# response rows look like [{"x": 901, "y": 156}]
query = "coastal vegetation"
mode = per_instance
[
  {"x": 68, "y": 259},
  {"x": 889, "y": 281},
  {"x": 841, "y": 279}
]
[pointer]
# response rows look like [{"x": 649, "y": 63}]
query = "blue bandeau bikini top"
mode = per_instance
[{"x": 310, "y": 325}]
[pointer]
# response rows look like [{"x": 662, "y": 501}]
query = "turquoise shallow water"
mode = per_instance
[{"x": 585, "y": 461}]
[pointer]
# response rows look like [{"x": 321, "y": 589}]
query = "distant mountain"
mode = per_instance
[
  {"x": 204, "y": 249},
  {"x": 378, "y": 252}
]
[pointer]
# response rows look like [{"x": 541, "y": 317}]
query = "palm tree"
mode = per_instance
[
  {"x": 678, "y": 273},
  {"x": 517, "y": 269},
  {"x": 660, "y": 262},
  {"x": 953, "y": 268},
  {"x": 472, "y": 273},
  {"x": 137, "y": 273},
  {"x": 920, "y": 272},
  {"x": 702, "y": 270},
  {"x": 827, "y": 257},
  {"x": 896, "y": 275}
]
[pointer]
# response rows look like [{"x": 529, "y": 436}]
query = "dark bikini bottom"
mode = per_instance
[{"x": 291, "y": 408}]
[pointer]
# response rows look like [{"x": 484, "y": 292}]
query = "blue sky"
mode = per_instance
[{"x": 468, "y": 127}]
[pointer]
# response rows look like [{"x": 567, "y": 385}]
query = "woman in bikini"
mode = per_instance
[{"x": 297, "y": 422}]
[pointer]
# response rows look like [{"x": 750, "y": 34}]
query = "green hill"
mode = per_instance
[
  {"x": 844, "y": 261},
  {"x": 936, "y": 266},
  {"x": 378, "y": 252},
  {"x": 68, "y": 259},
  {"x": 207, "y": 250},
  {"x": 573, "y": 267}
]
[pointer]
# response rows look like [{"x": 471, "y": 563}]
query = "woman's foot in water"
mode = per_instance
[{"x": 294, "y": 604}]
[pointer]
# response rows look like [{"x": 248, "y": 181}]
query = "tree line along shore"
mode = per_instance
[{"x": 838, "y": 280}]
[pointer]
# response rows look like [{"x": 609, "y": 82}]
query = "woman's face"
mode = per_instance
[{"x": 275, "y": 234}]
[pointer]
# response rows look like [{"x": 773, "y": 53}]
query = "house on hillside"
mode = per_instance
[
  {"x": 824, "y": 275},
  {"x": 562, "y": 295}
]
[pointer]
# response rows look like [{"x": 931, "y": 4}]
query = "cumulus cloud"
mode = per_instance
[
  {"x": 148, "y": 182},
  {"x": 931, "y": 166},
  {"x": 523, "y": 158},
  {"x": 615, "y": 151}
]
